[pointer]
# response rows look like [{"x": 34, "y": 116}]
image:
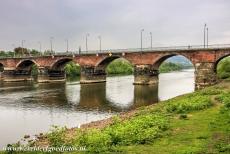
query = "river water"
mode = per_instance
[{"x": 31, "y": 108}]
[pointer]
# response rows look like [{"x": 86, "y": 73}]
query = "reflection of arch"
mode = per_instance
[
  {"x": 107, "y": 60},
  {"x": 26, "y": 64},
  {"x": 218, "y": 60},
  {"x": 60, "y": 63},
  {"x": 158, "y": 62},
  {"x": 1, "y": 67}
]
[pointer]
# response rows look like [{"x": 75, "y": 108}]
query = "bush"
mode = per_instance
[
  {"x": 72, "y": 69},
  {"x": 189, "y": 103},
  {"x": 139, "y": 130},
  {"x": 223, "y": 68},
  {"x": 57, "y": 136},
  {"x": 225, "y": 99},
  {"x": 119, "y": 66}
]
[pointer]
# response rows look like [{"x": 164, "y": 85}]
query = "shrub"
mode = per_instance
[
  {"x": 72, "y": 69},
  {"x": 57, "y": 136},
  {"x": 191, "y": 102},
  {"x": 119, "y": 66},
  {"x": 140, "y": 130},
  {"x": 223, "y": 68}
]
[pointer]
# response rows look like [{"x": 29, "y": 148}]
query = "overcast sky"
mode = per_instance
[{"x": 172, "y": 22}]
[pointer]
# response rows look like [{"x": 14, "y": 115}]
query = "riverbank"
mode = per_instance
[{"x": 193, "y": 123}]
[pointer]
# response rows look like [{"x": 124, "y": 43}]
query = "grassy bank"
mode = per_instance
[{"x": 198, "y": 122}]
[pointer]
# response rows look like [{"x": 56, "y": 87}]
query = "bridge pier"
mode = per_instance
[
  {"x": 90, "y": 74},
  {"x": 145, "y": 75},
  {"x": 46, "y": 75},
  {"x": 205, "y": 74},
  {"x": 12, "y": 75},
  {"x": 1, "y": 76}
]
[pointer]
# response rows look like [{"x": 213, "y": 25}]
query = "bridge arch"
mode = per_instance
[
  {"x": 108, "y": 59},
  {"x": 1, "y": 67},
  {"x": 218, "y": 60},
  {"x": 26, "y": 64},
  {"x": 157, "y": 63},
  {"x": 60, "y": 63}
]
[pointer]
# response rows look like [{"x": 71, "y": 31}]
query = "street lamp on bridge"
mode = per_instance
[
  {"x": 13, "y": 45},
  {"x": 99, "y": 37},
  {"x": 67, "y": 45},
  {"x": 40, "y": 47},
  {"x": 151, "y": 39},
  {"x": 86, "y": 42},
  {"x": 207, "y": 37},
  {"x": 141, "y": 37},
  {"x": 51, "y": 45},
  {"x": 23, "y": 41},
  {"x": 205, "y": 25}
]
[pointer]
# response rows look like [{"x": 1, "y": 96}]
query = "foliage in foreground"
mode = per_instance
[
  {"x": 148, "y": 125},
  {"x": 142, "y": 129},
  {"x": 189, "y": 103}
]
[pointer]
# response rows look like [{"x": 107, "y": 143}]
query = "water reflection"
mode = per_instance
[{"x": 33, "y": 108}]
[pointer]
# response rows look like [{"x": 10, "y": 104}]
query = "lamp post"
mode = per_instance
[
  {"x": 99, "y": 37},
  {"x": 204, "y": 33},
  {"x": 51, "y": 45},
  {"x": 40, "y": 47},
  {"x": 67, "y": 45},
  {"x": 141, "y": 38},
  {"x": 207, "y": 37},
  {"x": 23, "y": 41},
  {"x": 13, "y": 49},
  {"x": 151, "y": 39},
  {"x": 86, "y": 42}
]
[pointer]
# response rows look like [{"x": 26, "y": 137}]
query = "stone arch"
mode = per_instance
[
  {"x": 107, "y": 60},
  {"x": 26, "y": 64},
  {"x": 218, "y": 60},
  {"x": 160, "y": 60},
  {"x": 1, "y": 67},
  {"x": 60, "y": 63}
]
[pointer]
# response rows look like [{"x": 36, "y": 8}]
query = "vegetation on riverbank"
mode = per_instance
[
  {"x": 119, "y": 66},
  {"x": 223, "y": 68},
  {"x": 198, "y": 122},
  {"x": 72, "y": 69},
  {"x": 170, "y": 66}
]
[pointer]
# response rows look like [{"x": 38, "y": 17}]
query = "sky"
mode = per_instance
[{"x": 118, "y": 22}]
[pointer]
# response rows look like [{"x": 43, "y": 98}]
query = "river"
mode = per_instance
[{"x": 31, "y": 108}]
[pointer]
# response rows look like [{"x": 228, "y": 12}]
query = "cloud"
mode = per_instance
[{"x": 177, "y": 22}]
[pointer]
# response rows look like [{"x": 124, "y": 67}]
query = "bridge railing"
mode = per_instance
[
  {"x": 130, "y": 50},
  {"x": 171, "y": 48}
]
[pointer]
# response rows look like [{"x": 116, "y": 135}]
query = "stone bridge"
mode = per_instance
[{"x": 146, "y": 65}]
